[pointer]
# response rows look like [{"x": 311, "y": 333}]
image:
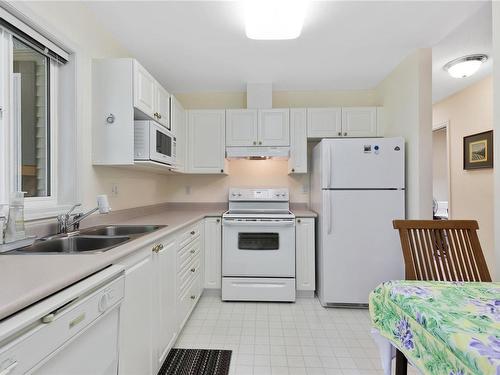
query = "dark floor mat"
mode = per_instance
[{"x": 196, "y": 362}]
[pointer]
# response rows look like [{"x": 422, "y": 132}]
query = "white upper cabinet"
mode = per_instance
[
  {"x": 150, "y": 97},
  {"x": 297, "y": 163},
  {"x": 274, "y": 127},
  {"x": 144, "y": 90},
  {"x": 206, "y": 141},
  {"x": 359, "y": 121},
  {"x": 162, "y": 106},
  {"x": 241, "y": 127},
  {"x": 122, "y": 92},
  {"x": 342, "y": 122},
  {"x": 324, "y": 122},
  {"x": 178, "y": 121}
]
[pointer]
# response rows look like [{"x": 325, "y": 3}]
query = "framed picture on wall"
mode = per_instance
[{"x": 478, "y": 150}]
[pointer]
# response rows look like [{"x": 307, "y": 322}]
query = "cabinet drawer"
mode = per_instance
[
  {"x": 186, "y": 254},
  {"x": 189, "y": 235},
  {"x": 188, "y": 300},
  {"x": 187, "y": 277}
]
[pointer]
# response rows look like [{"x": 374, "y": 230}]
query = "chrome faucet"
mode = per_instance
[{"x": 67, "y": 223}]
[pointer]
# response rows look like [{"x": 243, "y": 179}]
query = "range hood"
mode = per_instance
[{"x": 258, "y": 153}]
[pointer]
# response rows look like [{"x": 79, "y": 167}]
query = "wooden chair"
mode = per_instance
[{"x": 440, "y": 250}]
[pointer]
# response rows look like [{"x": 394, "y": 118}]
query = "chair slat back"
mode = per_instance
[{"x": 442, "y": 250}]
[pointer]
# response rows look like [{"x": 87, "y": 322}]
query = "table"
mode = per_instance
[{"x": 443, "y": 328}]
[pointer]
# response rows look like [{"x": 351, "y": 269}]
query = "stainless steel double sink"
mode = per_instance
[{"x": 90, "y": 240}]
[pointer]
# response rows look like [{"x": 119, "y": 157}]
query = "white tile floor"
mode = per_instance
[{"x": 284, "y": 338}]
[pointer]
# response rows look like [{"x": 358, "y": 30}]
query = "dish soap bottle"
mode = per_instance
[{"x": 15, "y": 223}]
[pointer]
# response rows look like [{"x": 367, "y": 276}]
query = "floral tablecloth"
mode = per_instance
[{"x": 442, "y": 328}]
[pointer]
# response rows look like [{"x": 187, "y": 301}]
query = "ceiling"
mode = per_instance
[
  {"x": 473, "y": 36},
  {"x": 345, "y": 45}
]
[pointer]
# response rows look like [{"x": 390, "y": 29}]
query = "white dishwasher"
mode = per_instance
[{"x": 75, "y": 331}]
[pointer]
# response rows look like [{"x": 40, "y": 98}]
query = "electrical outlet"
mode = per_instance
[
  {"x": 188, "y": 190},
  {"x": 114, "y": 189}
]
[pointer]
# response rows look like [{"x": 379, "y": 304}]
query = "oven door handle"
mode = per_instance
[{"x": 255, "y": 223}]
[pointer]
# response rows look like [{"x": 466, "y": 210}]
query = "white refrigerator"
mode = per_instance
[{"x": 357, "y": 189}]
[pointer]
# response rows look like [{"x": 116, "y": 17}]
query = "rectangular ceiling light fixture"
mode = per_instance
[{"x": 274, "y": 19}]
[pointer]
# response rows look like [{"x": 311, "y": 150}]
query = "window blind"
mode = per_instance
[{"x": 33, "y": 38}]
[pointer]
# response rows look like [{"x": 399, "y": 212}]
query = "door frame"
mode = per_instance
[{"x": 439, "y": 126}]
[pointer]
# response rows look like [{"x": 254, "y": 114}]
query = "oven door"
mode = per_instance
[
  {"x": 258, "y": 247},
  {"x": 162, "y": 144}
]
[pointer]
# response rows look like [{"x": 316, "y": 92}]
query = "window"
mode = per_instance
[
  {"x": 36, "y": 90},
  {"x": 31, "y": 120}
]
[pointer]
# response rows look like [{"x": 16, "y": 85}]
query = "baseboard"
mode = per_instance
[
  {"x": 305, "y": 293},
  {"x": 212, "y": 292}
]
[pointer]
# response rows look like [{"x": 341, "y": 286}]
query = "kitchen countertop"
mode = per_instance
[
  {"x": 304, "y": 212},
  {"x": 26, "y": 279}
]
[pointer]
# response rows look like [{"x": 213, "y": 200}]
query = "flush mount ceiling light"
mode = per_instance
[
  {"x": 274, "y": 19},
  {"x": 465, "y": 66}
]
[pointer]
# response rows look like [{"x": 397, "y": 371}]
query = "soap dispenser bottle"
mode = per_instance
[{"x": 15, "y": 223}]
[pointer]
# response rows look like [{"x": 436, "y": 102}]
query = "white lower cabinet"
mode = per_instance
[
  {"x": 213, "y": 253},
  {"x": 189, "y": 278},
  {"x": 163, "y": 283},
  {"x": 305, "y": 254},
  {"x": 136, "y": 323},
  {"x": 165, "y": 298}
]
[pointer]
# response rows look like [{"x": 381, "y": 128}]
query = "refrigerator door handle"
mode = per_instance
[{"x": 330, "y": 213}]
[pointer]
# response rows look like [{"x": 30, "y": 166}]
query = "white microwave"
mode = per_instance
[{"x": 153, "y": 141}]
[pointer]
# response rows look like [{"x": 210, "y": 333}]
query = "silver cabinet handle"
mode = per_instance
[
  {"x": 49, "y": 318},
  {"x": 193, "y": 233},
  {"x": 254, "y": 143},
  {"x": 193, "y": 269},
  {"x": 9, "y": 368},
  {"x": 193, "y": 251},
  {"x": 192, "y": 297},
  {"x": 340, "y": 133},
  {"x": 345, "y": 134}
]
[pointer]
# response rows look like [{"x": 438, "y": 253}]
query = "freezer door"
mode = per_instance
[
  {"x": 359, "y": 247},
  {"x": 363, "y": 163}
]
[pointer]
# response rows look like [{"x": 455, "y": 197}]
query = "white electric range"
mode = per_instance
[{"x": 258, "y": 246}]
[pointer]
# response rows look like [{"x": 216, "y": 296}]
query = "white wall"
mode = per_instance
[
  {"x": 406, "y": 96},
  {"x": 496, "y": 132},
  {"x": 242, "y": 173},
  {"x": 468, "y": 112}
]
